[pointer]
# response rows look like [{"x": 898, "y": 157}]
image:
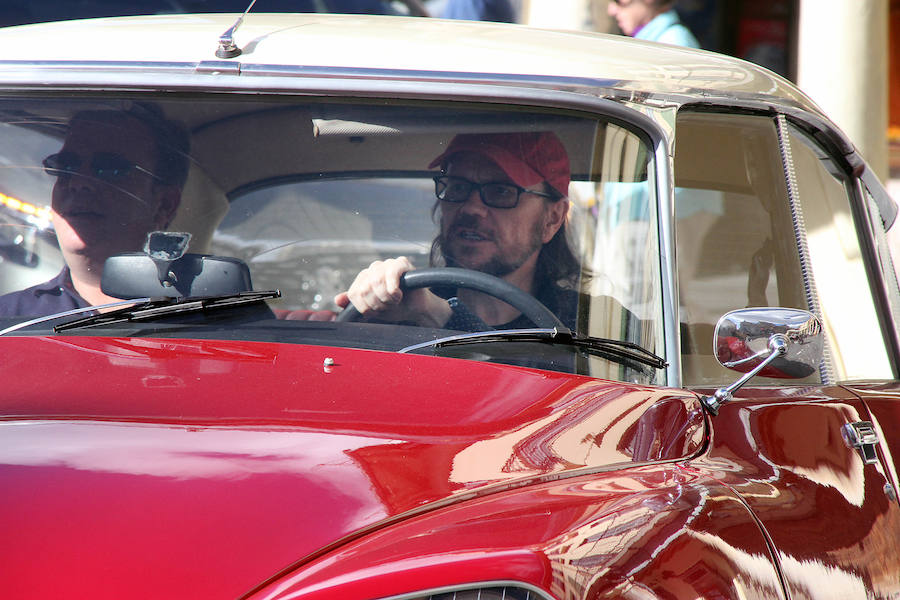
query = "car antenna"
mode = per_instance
[{"x": 227, "y": 47}]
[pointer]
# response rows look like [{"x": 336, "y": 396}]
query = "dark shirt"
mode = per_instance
[
  {"x": 561, "y": 302},
  {"x": 48, "y": 298}
]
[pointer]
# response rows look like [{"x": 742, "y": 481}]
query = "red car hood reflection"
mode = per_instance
[{"x": 166, "y": 468}]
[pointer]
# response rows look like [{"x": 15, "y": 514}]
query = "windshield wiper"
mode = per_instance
[
  {"x": 617, "y": 350},
  {"x": 157, "y": 308},
  {"x": 69, "y": 313}
]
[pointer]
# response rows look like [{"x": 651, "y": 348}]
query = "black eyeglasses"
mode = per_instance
[
  {"x": 495, "y": 195},
  {"x": 105, "y": 166}
]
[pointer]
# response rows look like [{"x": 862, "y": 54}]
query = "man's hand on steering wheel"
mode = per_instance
[
  {"x": 376, "y": 293},
  {"x": 375, "y": 286}
]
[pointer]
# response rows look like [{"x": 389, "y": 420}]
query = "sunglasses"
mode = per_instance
[
  {"x": 104, "y": 166},
  {"x": 496, "y": 195}
]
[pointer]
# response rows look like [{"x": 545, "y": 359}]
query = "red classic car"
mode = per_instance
[{"x": 644, "y": 343}]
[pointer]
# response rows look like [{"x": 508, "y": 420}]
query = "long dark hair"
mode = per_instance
[{"x": 556, "y": 262}]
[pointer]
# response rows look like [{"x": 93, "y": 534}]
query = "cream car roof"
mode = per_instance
[{"x": 399, "y": 43}]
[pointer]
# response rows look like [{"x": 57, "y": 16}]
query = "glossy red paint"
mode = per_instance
[
  {"x": 825, "y": 511},
  {"x": 651, "y": 532},
  {"x": 202, "y": 468}
]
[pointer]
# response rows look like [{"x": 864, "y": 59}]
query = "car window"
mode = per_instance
[
  {"x": 734, "y": 234},
  {"x": 308, "y": 192},
  {"x": 311, "y": 238},
  {"x": 740, "y": 242},
  {"x": 851, "y": 324}
]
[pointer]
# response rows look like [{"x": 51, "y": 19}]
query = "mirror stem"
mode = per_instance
[{"x": 778, "y": 344}]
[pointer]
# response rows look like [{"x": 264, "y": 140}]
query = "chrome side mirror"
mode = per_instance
[{"x": 772, "y": 342}]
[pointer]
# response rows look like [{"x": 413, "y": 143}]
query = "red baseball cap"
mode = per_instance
[{"x": 528, "y": 158}]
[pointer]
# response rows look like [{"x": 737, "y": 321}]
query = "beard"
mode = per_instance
[{"x": 503, "y": 261}]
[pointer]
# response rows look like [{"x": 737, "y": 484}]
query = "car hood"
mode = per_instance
[{"x": 201, "y": 468}]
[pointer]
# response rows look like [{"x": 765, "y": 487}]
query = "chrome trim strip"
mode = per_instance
[
  {"x": 668, "y": 262},
  {"x": 614, "y": 88},
  {"x": 218, "y": 67},
  {"x": 293, "y": 70}
]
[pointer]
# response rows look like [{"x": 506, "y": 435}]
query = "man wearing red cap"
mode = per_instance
[{"x": 501, "y": 201}]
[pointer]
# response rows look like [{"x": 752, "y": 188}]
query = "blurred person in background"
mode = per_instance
[
  {"x": 480, "y": 10},
  {"x": 652, "y": 20}
]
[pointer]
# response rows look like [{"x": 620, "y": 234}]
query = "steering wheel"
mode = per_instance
[{"x": 525, "y": 303}]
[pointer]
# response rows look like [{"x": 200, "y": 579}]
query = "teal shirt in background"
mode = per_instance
[{"x": 668, "y": 29}]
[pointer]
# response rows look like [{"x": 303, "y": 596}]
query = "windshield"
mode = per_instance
[{"x": 334, "y": 204}]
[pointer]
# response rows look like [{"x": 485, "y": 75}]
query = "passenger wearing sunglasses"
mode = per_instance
[
  {"x": 117, "y": 177},
  {"x": 501, "y": 203},
  {"x": 652, "y": 20}
]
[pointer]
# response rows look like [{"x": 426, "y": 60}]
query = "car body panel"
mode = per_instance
[
  {"x": 826, "y": 511},
  {"x": 653, "y": 532},
  {"x": 246, "y": 433},
  {"x": 882, "y": 399}
]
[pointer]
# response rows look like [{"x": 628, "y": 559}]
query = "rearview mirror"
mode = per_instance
[{"x": 135, "y": 275}]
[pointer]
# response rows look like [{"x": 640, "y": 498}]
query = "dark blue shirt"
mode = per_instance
[{"x": 48, "y": 298}]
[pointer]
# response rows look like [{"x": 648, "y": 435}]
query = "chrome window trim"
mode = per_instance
[
  {"x": 665, "y": 180},
  {"x": 105, "y": 72},
  {"x": 664, "y": 184}
]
